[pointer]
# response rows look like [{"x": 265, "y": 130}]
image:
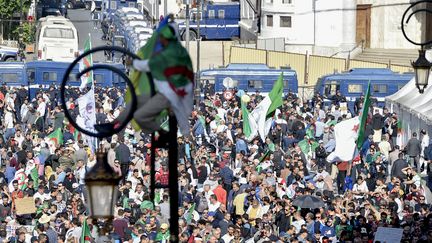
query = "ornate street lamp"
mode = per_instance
[
  {"x": 102, "y": 182},
  {"x": 422, "y": 69},
  {"x": 421, "y": 66}
]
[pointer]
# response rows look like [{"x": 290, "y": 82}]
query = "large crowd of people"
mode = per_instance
[{"x": 232, "y": 189}]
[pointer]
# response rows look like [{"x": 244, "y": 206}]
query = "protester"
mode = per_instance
[{"x": 232, "y": 189}]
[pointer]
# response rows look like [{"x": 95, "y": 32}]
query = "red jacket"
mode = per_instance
[{"x": 221, "y": 194}]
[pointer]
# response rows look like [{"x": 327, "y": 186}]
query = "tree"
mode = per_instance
[
  {"x": 27, "y": 31},
  {"x": 9, "y": 7}
]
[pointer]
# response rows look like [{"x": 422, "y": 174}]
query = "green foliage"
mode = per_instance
[
  {"x": 9, "y": 7},
  {"x": 28, "y": 31}
]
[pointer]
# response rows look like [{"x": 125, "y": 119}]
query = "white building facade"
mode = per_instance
[
  {"x": 385, "y": 24},
  {"x": 323, "y": 27}
]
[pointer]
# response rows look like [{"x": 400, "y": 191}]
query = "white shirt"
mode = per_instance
[
  {"x": 360, "y": 188},
  {"x": 24, "y": 110},
  {"x": 214, "y": 207},
  {"x": 41, "y": 108},
  {"x": 424, "y": 143},
  {"x": 9, "y": 121},
  {"x": 138, "y": 197},
  {"x": 80, "y": 174},
  {"x": 42, "y": 197}
]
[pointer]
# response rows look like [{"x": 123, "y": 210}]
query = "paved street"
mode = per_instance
[{"x": 82, "y": 20}]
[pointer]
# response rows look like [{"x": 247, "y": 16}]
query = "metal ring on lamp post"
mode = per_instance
[
  {"x": 403, "y": 22},
  {"x": 95, "y": 67}
]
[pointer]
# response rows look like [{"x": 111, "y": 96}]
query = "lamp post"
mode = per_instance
[
  {"x": 101, "y": 182},
  {"x": 421, "y": 66}
]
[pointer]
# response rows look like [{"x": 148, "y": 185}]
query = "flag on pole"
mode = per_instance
[
  {"x": 87, "y": 115},
  {"x": 56, "y": 136},
  {"x": 363, "y": 118},
  {"x": 246, "y": 124},
  {"x": 86, "y": 79},
  {"x": 85, "y": 235},
  {"x": 346, "y": 133},
  {"x": 262, "y": 114}
]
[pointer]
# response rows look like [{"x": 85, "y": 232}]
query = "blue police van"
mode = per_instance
[
  {"x": 108, "y": 7},
  {"x": 353, "y": 84},
  {"x": 42, "y": 74},
  {"x": 217, "y": 21},
  {"x": 249, "y": 77}
]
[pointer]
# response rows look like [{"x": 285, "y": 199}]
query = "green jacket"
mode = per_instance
[{"x": 162, "y": 236}]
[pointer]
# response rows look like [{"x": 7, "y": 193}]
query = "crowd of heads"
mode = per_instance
[{"x": 231, "y": 188}]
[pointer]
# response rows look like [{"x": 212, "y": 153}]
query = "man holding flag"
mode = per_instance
[{"x": 171, "y": 68}]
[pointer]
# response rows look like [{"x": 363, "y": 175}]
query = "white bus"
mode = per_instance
[{"x": 57, "y": 39}]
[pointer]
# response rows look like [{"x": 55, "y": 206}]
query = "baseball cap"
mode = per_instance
[{"x": 164, "y": 226}]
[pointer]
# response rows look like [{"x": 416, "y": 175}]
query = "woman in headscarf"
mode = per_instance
[{"x": 49, "y": 175}]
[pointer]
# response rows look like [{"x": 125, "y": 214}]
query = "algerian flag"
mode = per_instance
[
  {"x": 246, "y": 124},
  {"x": 364, "y": 115},
  {"x": 307, "y": 145},
  {"x": 346, "y": 133},
  {"x": 158, "y": 197},
  {"x": 262, "y": 114},
  {"x": 35, "y": 176},
  {"x": 85, "y": 235},
  {"x": 86, "y": 79},
  {"x": 140, "y": 80},
  {"x": 56, "y": 136},
  {"x": 189, "y": 217}
]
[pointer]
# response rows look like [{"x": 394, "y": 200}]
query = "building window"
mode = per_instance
[
  {"x": 285, "y": 21},
  {"x": 221, "y": 14},
  {"x": 286, "y": 1},
  {"x": 113, "y": 5},
  {"x": 270, "y": 20},
  {"x": 211, "y": 14}
]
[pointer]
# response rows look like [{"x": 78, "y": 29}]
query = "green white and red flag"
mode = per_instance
[
  {"x": 363, "y": 118},
  {"x": 86, "y": 79},
  {"x": 86, "y": 235},
  {"x": 56, "y": 136}
]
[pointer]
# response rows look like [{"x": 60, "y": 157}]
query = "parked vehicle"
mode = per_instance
[
  {"x": 57, "y": 39},
  {"x": 37, "y": 75},
  {"x": 88, "y": 3},
  {"x": 353, "y": 84},
  {"x": 217, "y": 21},
  {"x": 72, "y": 4},
  {"x": 249, "y": 77},
  {"x": 46, "y": 8},
  {"x": 8, "y": 54},
  {"x": 110, "y": 6}
]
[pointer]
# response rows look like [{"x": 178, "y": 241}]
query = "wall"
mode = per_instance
[
  {"x": 248, "y": 22},
  {"x": 333, "y": 21},
  {"x": 301, "y": 30},
  {"x": 386, "y": 16}
]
